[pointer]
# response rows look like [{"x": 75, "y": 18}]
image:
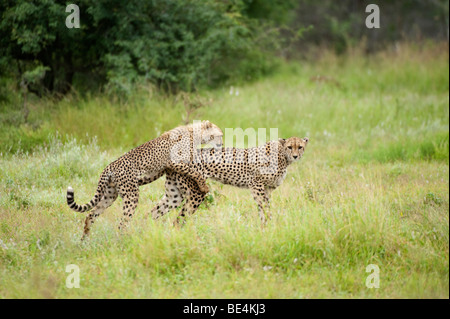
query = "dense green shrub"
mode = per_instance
[{"x": 176, "y": 45}]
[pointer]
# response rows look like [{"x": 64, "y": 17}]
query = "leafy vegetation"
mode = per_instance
[
  {"x": 186, "y": 45},
  {"x": 176, "y": 45}
]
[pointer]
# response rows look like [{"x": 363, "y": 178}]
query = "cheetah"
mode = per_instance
[
  {"x": 261, "y": 169},
  {"x": 145, "y": 164}
]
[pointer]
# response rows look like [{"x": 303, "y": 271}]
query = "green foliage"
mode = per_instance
[
  {"x": 188, "y": 45},
  {"x": 431, "y": 198},
  {"x": 281, "y": 11},
  {"x": 177, "y": 45},
  {"x": 33, "y": 34},
  {"x": 180, "y": 44},
  {"x": 35, "y": 75}
]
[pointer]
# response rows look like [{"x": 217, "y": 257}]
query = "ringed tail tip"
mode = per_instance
[{"x": 70, "y": 193}]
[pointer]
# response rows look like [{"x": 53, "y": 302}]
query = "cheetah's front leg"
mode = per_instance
[
  {"x": 267, "y": 192},
  {"x": 259, "y": 194},
  {"x": 193, "y": 200},
  {"x": 171, "y": 199}
]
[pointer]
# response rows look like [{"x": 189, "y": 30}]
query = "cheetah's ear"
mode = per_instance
[
  {"x": 207, "y": 124},
  {"x": 306, "y": 140},
  {"x": 282, "y": 141}
]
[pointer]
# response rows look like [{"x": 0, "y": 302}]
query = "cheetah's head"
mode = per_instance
[
  {"x": 293, "y": 147},
  {"x": 211, "y": 134}
]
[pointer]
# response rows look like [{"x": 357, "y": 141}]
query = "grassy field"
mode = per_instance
[{"x": 372, "y": 188}]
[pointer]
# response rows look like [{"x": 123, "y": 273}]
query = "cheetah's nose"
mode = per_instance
[{"x": 295, "y": 156}]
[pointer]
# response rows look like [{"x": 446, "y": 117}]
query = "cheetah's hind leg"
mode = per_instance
[
  {"x": 259, "y": 194},
  {"x": 130, "y": 198},
  {"x": 107, "y": 200}
]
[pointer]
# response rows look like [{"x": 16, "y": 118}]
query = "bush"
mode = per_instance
[{"x": 177, "y": 45}]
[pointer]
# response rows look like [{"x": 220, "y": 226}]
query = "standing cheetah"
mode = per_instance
[
  {"x": 261, "y": 169},
  {"x": 143, "y": 165}
]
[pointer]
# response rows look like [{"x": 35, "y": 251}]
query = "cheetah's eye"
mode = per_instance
[
  {"x": 300, "y": 147},
  {"x": 290, "y": 147}
]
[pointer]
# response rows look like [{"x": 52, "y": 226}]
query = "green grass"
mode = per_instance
[{"x": 372, "y": 188}]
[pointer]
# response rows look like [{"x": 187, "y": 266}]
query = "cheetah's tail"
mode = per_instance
[{"x": 104, "y": 180}]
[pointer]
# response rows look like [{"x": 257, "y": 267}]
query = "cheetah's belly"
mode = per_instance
[
  {"x": 280, "y": 180},
  {"x": 276, "y": 180},
  {"x": 145, "y": 177},
  {"x": 236, "y": 180},
  {"x": 237, "y": 177}
]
